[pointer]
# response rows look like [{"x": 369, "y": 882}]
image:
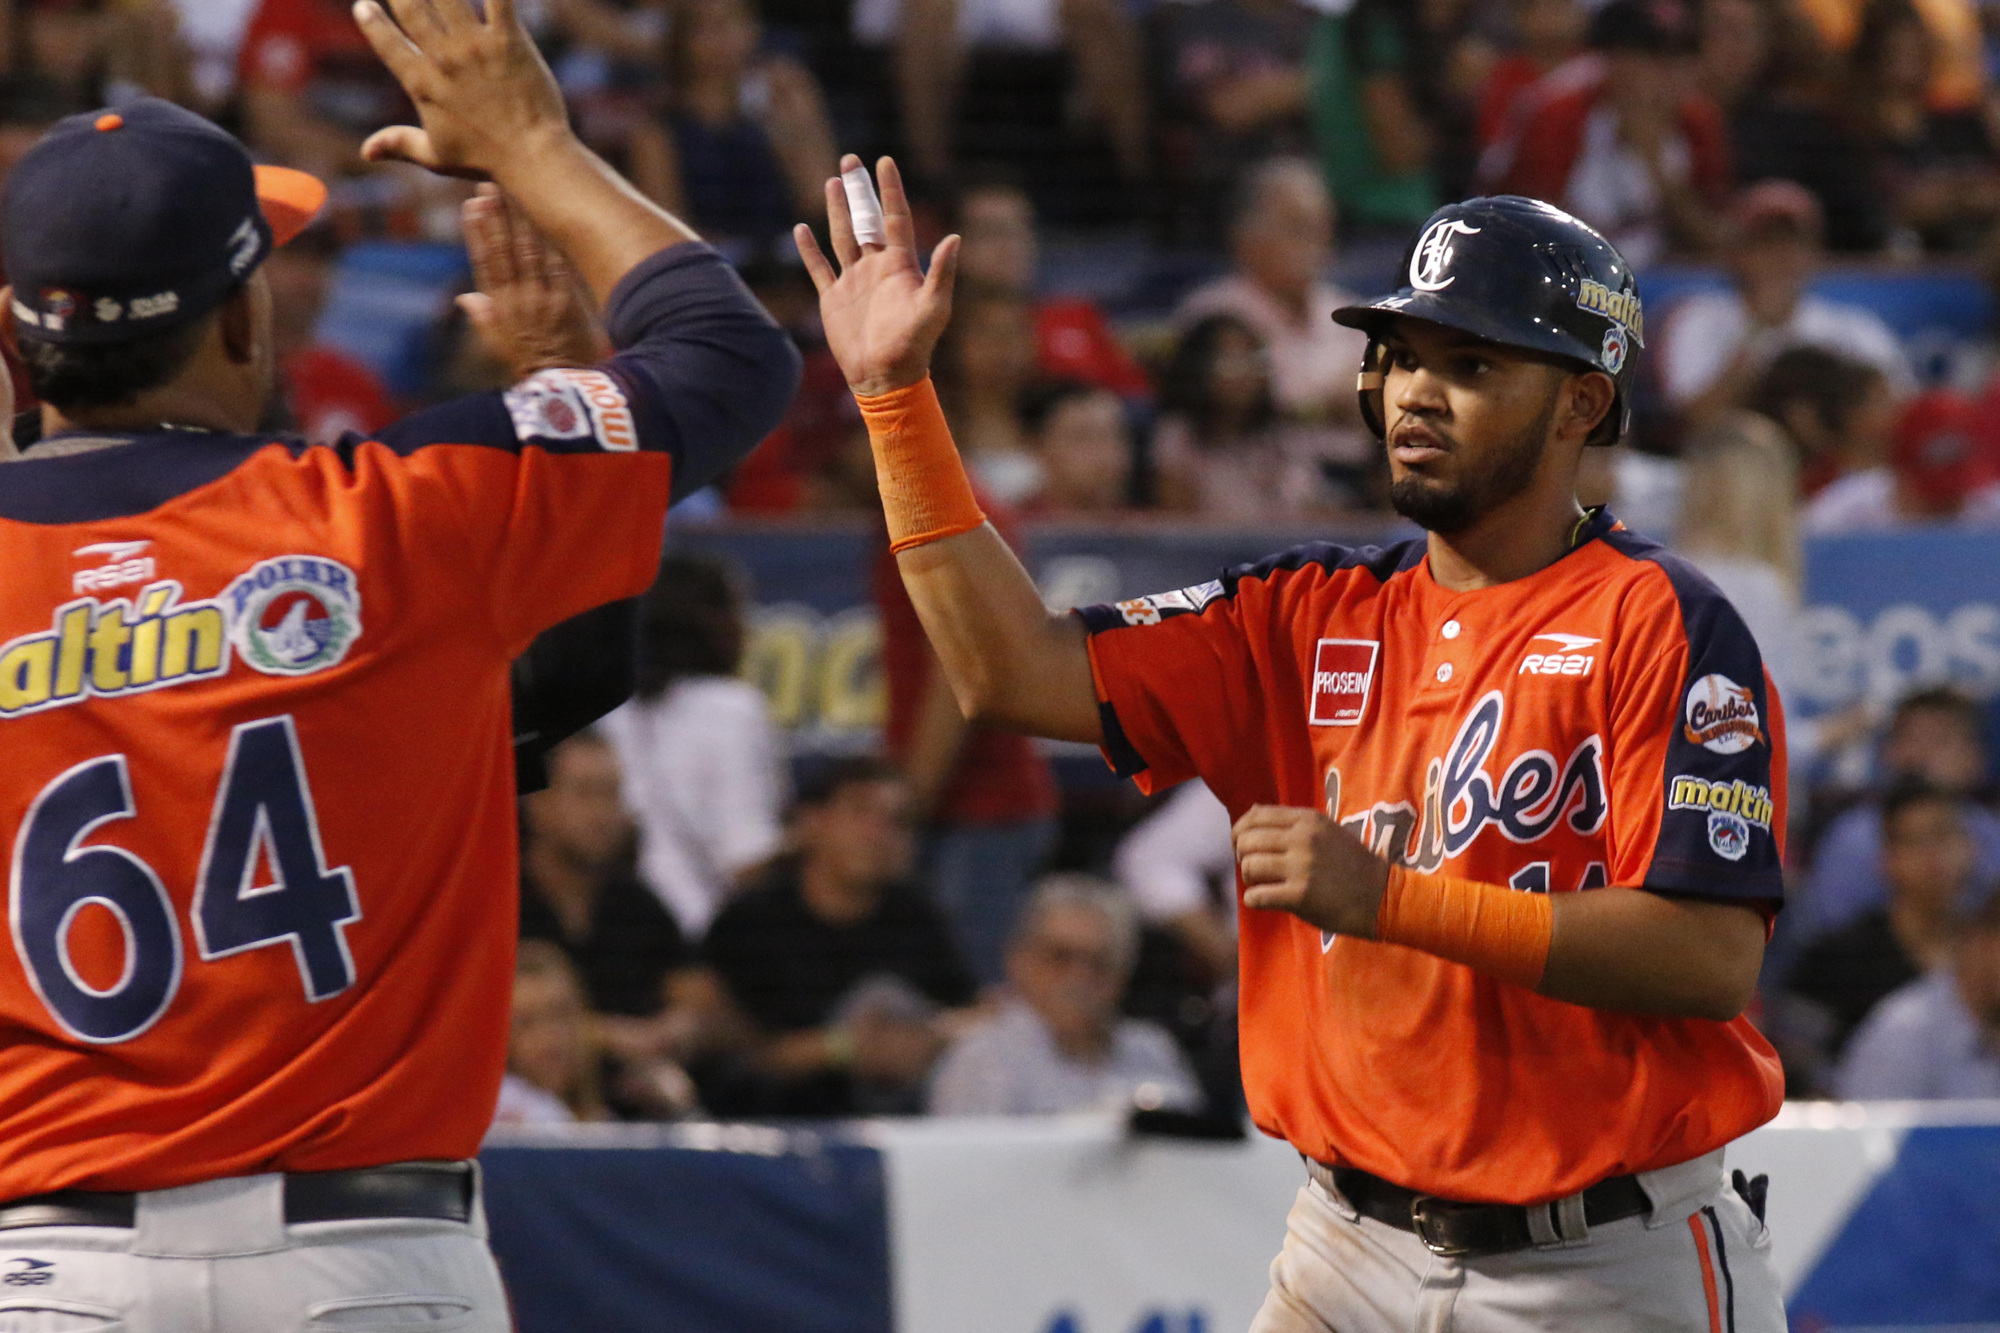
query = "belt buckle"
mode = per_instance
[{"x": 1422, "y": 1222}]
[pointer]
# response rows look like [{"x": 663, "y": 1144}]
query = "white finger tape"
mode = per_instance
[{"x": 863, "y": 207}]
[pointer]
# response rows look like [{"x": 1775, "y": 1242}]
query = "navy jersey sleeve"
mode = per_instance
[
  {"x": 1698, "y": 762},
  {"x": 551, "y": 495}
]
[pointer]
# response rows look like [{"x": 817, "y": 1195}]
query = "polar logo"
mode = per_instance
[
  {"x": 1722, "y": 716},
  {"x": 1431, "y": 260}
]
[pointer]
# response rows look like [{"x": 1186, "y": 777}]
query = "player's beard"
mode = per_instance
[{"x": 1450, "y": 507}]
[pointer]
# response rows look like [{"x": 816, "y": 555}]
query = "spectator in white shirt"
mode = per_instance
[
  {"x": 1716, "y": 344},
  {"x": 1179, "y": 865},
  {"x": 1939, "y": 1036},
  {"x": 1059, "y": 1044},
  {"x": 704, "y": 771}
]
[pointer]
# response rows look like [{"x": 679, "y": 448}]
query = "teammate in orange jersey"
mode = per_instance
[
  {"x": 1508, "y": 800},
  {"x": 258, "y": 801}
]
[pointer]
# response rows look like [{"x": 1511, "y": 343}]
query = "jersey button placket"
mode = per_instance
[{"x": 1447, "y": 648}]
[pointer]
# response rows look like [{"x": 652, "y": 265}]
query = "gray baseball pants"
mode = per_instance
[
  {"x": 218, "y": 1257},
  {"x": 1698, "y": 1263}
]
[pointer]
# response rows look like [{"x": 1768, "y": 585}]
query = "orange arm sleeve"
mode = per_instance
[
  {"x": 926, "y": 495},
  {"x": 1502, "y": 932}
]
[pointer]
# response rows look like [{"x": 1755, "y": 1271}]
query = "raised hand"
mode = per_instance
[
  {"x": 481, "y": 88},
  {"x": 528, "y": 310},
  {"x": 882, "y": 314}
]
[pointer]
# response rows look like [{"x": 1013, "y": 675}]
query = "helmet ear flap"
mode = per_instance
[{"x": 1368, "y": 387}]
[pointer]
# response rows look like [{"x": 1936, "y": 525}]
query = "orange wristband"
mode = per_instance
[
  {"x": 926, "y": 495},
  {"x": 1502, "y": 932}
]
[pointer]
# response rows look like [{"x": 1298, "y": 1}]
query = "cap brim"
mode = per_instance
[{"x": 290, "y": 200}]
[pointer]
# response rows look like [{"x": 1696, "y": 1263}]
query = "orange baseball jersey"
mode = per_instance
[
  {"x": 1606, "y": 721},
  {"x": 259, "y": 790}
]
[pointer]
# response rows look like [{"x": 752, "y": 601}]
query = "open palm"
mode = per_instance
[{"x": 882, "y": 314}]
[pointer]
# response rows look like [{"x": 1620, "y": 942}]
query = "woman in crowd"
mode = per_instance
[
  {"x": 746, "y": 143},
  {"x": 1221, "y": 449},
  {"x": 704, "y": 768}
]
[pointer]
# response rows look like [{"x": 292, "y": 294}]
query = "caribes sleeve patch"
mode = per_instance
[{"x": 572, "y": 405}]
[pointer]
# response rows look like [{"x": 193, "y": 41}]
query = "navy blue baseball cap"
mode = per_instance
[{"x": 119, "y": 224}]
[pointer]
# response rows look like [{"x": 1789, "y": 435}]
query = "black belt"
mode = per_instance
[
  {"x": 1470, "y": 1230},
  {"x": 439, "y": 1191}
]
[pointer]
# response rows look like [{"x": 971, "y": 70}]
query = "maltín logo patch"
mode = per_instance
[
  {"x": 294, "y": 615},
  {"x": 1343, "y": 674}
]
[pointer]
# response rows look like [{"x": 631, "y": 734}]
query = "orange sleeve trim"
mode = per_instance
[
  {"x": 1502, "y": 932},
  {"x": 926, "y": 495}
]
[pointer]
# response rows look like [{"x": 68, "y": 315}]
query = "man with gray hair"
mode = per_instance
[{"x": 1059, "y": 1044}]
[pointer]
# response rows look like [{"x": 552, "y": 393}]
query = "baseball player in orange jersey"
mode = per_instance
[
  {"x": 258, "y": 804},
  {"x": 1508, "y": 799}
]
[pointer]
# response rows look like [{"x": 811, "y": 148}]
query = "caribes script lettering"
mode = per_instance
[{"x": 1461, "y": 800}]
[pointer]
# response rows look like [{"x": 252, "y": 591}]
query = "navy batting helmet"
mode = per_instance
[{"x": 1521, "y": 273}]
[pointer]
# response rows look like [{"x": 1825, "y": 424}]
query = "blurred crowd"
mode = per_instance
[{"x": 711, "y": 925}]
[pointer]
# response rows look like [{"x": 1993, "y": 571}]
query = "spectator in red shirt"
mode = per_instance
[
  {"x": 312, "y": 87},
  {"x": 326, "y": 391},
  {"x": 1546, "y": 34},
  {"x": 1000, "y": 251},
  {"x": 986, "y": 797},
  {"x": 1630, "y": 147}
]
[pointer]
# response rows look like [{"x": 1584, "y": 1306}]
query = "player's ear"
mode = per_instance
[
  {"x": 1589, "y": 397},
  {"x": 7, "y": 333},
  {"x": 237, "y": 319}
]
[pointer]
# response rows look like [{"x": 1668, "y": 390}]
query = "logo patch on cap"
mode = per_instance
[
  {"x": 1431, "y": 260},
  {"x": 1612, "y": 356}
]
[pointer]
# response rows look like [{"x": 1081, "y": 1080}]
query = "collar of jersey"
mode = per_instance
[{"x": 144, "y": 471}]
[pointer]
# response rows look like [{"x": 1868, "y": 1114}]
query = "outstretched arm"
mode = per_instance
[{"x": 1009, "y": 661}]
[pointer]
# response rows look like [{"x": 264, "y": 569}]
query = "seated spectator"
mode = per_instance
[
  {"x": 999, "y": 251},
  {"x": 704, "y": 768},
  {"x": 1059, "y": 1044},
  {"x": 986, "y": 799},
  {"x": 1232, "y": 92},
  {"x": 1281, "y": 239},
  {"x": 326, "y": 391},
  {"x": 1935, "y": 735},
  {"x": 1629, "y": 146},
  {"x": 1937, "y": 473},
  {"x": 553, "y": 1053},
  {"x": 746, "y": 146},
  {"x": 985, "y": 363},
  {"x": 1716, "y": 344},
  {"x": 313, "y": 88},
  {"x": 1392, "y": 100},
  {"x": 932, "y": 40},
  {"x": 1929, "y": 862},
  {"x": 835, "y": 972},
  {"x": 1840, "y": 414},
  {"x": 1938, "y": 165},
  {"x": 1179, "y": 866},
  {"x": 577, "y": 887},
  {"x": 1221, "y": 450},
  {"x": 1083, "y": 444},
  {"x": 1939, "y": 1036},
  {"x": 1547, "y": 34},
  {"x": 1762, "y": 63}
]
